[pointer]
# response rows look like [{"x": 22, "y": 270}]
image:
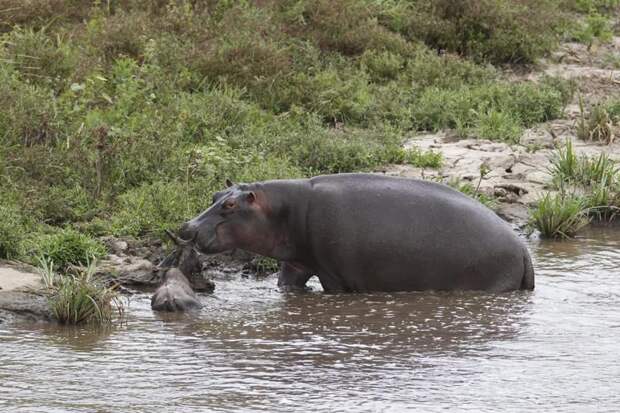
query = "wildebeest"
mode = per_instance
[{"x": 175, "y": 292}]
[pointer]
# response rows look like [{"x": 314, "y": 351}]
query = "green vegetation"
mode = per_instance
[
  {"x": 588, "y": 189},
  {"x": 559, "y": 216},
  {"x": 600, "y": 122},
  {"x": 123, "y": 117},
  {"x": 77, "y": 298},
  {"x": 67, "y": 247},
  {"x": 474, "y": 191},
  {"x": 593, "y": 22},
  {"x": 263, "y": 266}
]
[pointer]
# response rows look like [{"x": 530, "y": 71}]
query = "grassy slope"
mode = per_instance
[{"x": 124, "y": 116}]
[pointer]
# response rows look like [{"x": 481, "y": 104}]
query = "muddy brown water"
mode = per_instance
[{"x": 254, "y": 349}]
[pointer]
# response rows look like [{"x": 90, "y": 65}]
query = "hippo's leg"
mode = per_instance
[{"x": 293, "y": 276}]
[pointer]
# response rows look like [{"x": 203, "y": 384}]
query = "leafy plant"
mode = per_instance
[
  {"x": 67, "y": 247},
  {"x": 501, "y": 126},
  {"x": 78, "y": 298},
  {"x": 598, "y": 126},
  {"x": 559, "y": 216}
]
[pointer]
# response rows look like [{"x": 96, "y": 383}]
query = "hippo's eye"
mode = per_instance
[{"x": 229, "y": 204}]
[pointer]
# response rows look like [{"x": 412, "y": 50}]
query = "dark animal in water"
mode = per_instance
[
  {"x": 367, "y": 232},
  {"x": 176, "y": 292}
]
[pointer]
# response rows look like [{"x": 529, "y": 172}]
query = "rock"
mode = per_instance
[
  {"x": 513, "y": 212},
  {"x": 18, "y": 276},
  {"x": 116, "y": 245},
  {"x": 201, "y": 283},
  {"x": 24, "y": 306},
  {"x": 128, "y": 271}
]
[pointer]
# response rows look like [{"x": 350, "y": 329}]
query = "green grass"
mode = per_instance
[
  {"x": 78, "y": 298},
  {"x": 559, "y": 216},
  {"x": 472, "y": 191},
  {"x": 67, "y": 247},
  {"x": 597, "y": 181},
  {"x": 598, "y": 125},
  {"x": 569, "y": 169}
]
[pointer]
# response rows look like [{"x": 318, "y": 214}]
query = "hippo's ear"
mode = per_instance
[
  {"x": 250, "y": 197},
  {"x": 229, "y": 183}
]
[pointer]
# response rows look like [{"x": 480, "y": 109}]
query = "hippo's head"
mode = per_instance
[{"x": 237, "y": 218}]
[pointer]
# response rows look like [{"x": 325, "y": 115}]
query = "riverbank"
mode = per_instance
[{"x": 517, "y": 176}]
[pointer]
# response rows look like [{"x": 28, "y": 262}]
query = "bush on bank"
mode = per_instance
[{"x": 124, "y": 116}]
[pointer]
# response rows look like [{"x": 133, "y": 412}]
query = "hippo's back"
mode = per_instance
[{"x": 380, "y": 233}]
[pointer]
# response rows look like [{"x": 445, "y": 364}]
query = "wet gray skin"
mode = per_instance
[
  {"x": 254, "y": 349},
  {"x": 175, "y": 292},
  {"x": 367, "y": 232}
]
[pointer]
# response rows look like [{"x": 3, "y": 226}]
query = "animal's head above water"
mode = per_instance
[
  {"x": 185, "y": 257},
  {"x": 237, "y": 218}
]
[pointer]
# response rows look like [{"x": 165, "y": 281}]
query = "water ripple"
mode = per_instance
[{"x": 254, "y": 349}]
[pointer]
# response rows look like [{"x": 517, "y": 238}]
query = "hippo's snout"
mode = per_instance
[{"x": 188, "y": 231}]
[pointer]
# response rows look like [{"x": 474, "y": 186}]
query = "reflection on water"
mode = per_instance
[{"x": 252, "y": 348}]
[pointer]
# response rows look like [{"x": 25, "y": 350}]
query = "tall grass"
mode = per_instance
[
  {"x": 78, "y": 298},
  {"x": 569, "y": 169},
  {"x": 559, "y": 216},
  {"x": 598, "y": 125},
  {"x": 589, "y": 189}
]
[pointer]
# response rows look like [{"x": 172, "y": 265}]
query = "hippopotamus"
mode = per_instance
[
  {"x": 366, "y": 233},
  {"x": 175, "y": 292}
]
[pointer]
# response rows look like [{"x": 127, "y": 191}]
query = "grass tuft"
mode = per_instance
[
  {"x": 78, "y": 298},
  {"x": 559, "y": 216},
  {"x": 597, "y": 126}
]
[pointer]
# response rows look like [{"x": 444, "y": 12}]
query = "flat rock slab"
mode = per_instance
[
  {"x": 17, "y": 305},
  {"x": 516, "y": 174},
  {"x": 13, "y": 277}
]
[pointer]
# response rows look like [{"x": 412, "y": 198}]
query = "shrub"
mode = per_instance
[
  {"x": 595, "y": 28},
  {"x": 596, "y": 171},
  {"x": 568, "y": 168},
  {"x": 336, "y": 95},
  {"x": 559, "y": 216},
  {"x": 152, "y": 208},
  {"x": 603, "y": 202},
  {"x": 67, "y": 247},
  {"x": 597, "y": 126},
  {"x": 525, "y": 105},
  {"x": 39, "y": 13},
  {"x": 382, "y": 65},
  {"x": 40, "y": 58},
  {"x": 427, "y": 68},
  {"x": 564, "y": 164},
  {"x": 28, "y": 117},
  {"x": 14, "y": 228},
  {"x": 78, "y": 298},
  {"x": 498, "y": 31},
  {"x": 413, "y": 156},
  {"x": 501, "y": 126},
  {"x": 345, "y": 26}
]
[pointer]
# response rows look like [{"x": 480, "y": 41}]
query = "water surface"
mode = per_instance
[{"x": 254, "y": 349}]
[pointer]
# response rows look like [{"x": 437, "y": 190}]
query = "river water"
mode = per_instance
[{"x": 254, "y": 349}]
